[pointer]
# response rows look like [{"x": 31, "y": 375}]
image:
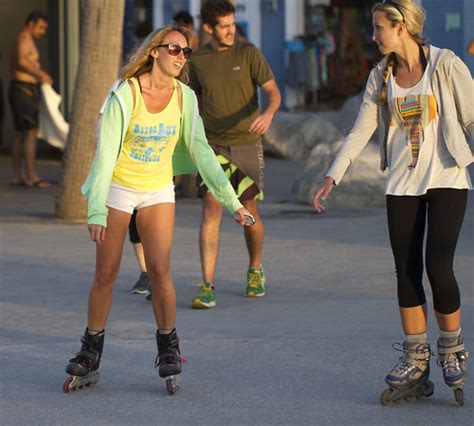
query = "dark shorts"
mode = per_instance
[
  {"x": 24, "y": 101},
  {"x": 244, "y": 166}
]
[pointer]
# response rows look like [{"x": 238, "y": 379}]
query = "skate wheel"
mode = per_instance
[
  {"x": 459, "y": 396},
  {"x": 385, "y": 397},
  {"x": 172, "y": 385},
  {"x": 66, "y": 385},
  {"x": 429, "y": 389}
]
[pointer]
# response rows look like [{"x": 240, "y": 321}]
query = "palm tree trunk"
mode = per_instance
[{"x": 100, "y": 55}]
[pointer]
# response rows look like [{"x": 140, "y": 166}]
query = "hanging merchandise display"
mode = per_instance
[{"x": 333, "y": 58}]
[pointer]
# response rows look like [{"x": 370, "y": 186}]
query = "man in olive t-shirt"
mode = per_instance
[{"x": 225, "y": 75}]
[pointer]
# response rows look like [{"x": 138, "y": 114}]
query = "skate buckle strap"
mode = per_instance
[
  {"x": 443, "y": 350},
  {"x": 420, "y": 355},
  {"x": 91, "y": 355},
  {"x": 166, "y": 357}
]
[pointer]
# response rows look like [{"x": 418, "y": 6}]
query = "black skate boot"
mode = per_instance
[
  {"x": 409, "y": 378},
  {"x": 83, "y": 368},
  {"x": 168, "y": 360},
  {"x": 452, "y": 358}
]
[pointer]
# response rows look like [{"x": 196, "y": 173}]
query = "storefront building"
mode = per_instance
[{"x": 320, "y": 50}]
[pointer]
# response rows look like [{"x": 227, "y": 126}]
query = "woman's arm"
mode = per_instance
[
  {"x": 461, "y": 83},
  {"x": 204, "y": 159},
  {"x": 97, "y": 186},
  {"x": 363, "y": 129},
  {"x": 361, "y": 132},
  {"x": 211, "y": 171}
]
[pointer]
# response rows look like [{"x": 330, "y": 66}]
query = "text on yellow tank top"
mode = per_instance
[{"x": 145, "y": 163}]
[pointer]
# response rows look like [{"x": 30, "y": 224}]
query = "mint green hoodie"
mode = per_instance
[{"x": 192, "y": 153}]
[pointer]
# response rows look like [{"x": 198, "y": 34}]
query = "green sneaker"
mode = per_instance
[
  {"x": 206, "y": 297},
  {"x": 255, "y": 283}
]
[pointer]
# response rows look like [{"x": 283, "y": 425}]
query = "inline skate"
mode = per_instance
[
  {"x": 168, "y": 360},
  {"x": 453, "y": 360},
  {"x": 84, "y": 367},
  {"x": 409, "y": 378}
]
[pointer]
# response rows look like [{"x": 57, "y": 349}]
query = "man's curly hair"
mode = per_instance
[{"x": 216, "y": 9}]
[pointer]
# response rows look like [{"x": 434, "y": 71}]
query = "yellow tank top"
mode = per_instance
[{"x": 145, "y": 163}]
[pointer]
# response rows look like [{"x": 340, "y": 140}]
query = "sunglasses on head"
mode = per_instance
[{"x": 175, "y": 50}]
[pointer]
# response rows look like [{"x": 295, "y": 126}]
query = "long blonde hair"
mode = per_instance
[
  {"x": 400, "y": 11},
  {"x": 140, "y": 61}
]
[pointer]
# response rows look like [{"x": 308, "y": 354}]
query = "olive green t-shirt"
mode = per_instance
[{"x": 226, "y": 82}]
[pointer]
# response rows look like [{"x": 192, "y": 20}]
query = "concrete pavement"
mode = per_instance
[{"x": 313, "y": 351}]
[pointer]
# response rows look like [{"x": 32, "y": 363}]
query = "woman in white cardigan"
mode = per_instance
[{"x": 419, "y": 100}]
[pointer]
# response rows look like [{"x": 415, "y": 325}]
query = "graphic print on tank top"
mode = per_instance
[
  {"x": 412, "y": 113},
  {"x": 148, "y": 142}
]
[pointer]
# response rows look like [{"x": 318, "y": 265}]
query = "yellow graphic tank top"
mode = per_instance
[{"x": 145, "y": 163}]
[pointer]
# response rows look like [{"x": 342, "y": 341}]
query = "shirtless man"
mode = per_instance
[{"x": 23, "y": 95}]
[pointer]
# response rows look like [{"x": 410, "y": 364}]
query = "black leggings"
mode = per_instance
[{"x": 406, "y": 223}]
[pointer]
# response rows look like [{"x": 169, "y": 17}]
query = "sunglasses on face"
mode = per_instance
[{"x": 175, "y": 50}]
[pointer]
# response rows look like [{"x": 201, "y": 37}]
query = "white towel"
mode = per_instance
[{"x": 52, "y": 126}]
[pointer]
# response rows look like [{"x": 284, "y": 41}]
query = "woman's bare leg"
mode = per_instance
[
  {"x": 108, "y": 257},
  {"x": 155, "y": 225}
]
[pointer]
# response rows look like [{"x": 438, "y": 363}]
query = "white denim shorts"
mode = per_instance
[{"x": 127, "y": 200}]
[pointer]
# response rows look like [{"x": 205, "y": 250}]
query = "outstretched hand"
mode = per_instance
[
  {"x": 261, "y": 124},
  {"x": 243, "y": 217},
  {"x": 321, "y": 193},
  {"x": 97, "y": 233}
]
